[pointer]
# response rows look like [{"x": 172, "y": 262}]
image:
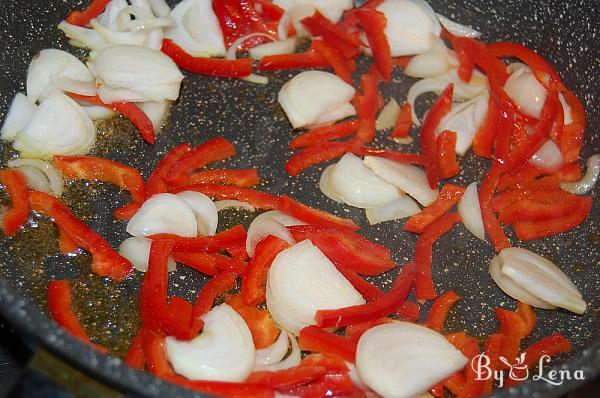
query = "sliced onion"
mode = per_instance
[
  {"x": 19, "y": 113},
  {"x": 224, "y": 351},
  {"x": 548, "y": 158},
  {"x": 387, "y": 355},
  {"x": 88, "y": 38},
  {"x": 150, "y": 38},
  {"x": 356, "y": 185},
  {"x": 137, "y": 250},
  {"x": 355, "y": 377},
  {"x": 96, "y": 112},
  {"x": 434, "y": 62},
  {"x": 232, "y": 50},
  {"x": 281, "y": 217},
  {"x": 408, "y": 178},
  {"x": 126, "y": 73},
  {"x": 525, "y": 90},
  {"x": 273, "y": 353},
  {"x": 236, "y": 204},
  {"x": 54, "y": 179},
  {"x": 136, "y": 18},
  {"x": 316, "y": 97},
  {"x": 470, "y": 211},
  {"x": 465, "y": 119},
  {"x": 204, "y": 209},
  {"x": 256, "y": 79},
  {"x": 287, "y": 46},
  {"x": 59, "y": 126},
  {"x": 388, "y": 115},
  {"x": 292, "y": 16},
  {"x": 160, "y": 8},
  {"x": 458, "y": 29},
  {"x": 568, "y": 113},
  {"x": 157, "y": 112},
  {"x": 260, "y": 228},
  {"x": 34, "y": 178},
  {"x": 301, "y": 281},
  {"x": 587, "y": 183},
  {"x": 426, "y": 7},
  {"x": 108, "y": 18},
  {"x": 541, "y": 278},
  {"x": 400, "y": 208},
  {"x": 325, "y": 184},
  {"x": 292, "y": 360},
  {"x": 163, "y": 213}
]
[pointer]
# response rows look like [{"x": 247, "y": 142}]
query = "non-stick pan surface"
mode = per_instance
[{"x": 566, "y": 32}]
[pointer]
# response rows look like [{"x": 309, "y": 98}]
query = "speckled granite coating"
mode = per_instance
[{"x": 565, "y": 32}]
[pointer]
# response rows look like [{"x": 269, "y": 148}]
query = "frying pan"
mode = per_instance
[{"x": 565, "y": 32}]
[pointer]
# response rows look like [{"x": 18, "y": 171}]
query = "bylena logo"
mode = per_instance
[{"x": 519, "y": 371}]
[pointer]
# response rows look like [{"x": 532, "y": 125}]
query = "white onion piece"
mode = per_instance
[
  {"x": 587, "y": 183},
  {"x": 457, "y": 29},
  {"x": 150, "y": 38},
  {"x": 108, "y": 18},
  {"x": 260, "y": 228},
  {"x": 508, "y": 286},
  {"x": 224, "y": 351},
  {"x": 541, "y": 278},
  {"x": 196, "y": 29},
  {"x": 388, "y": 115},
  {"x": 426, "y": 7},
  {"x": 256, "y": 79},
  {"x": 236, "y": 204},
  {"x": 438, "y": 60},
  {"x": 408, "y": 178},
  {"x": 97, "y": 112},
  {"x": 356, "y": 185},
  {"x": 287, "y": 46},
  {"x": 137, "y": 250},
  {"x": 325, "y": 184},
  {"x": 89, "y": 38},
  {"x": 273, "y": 353},
  {"x": 281, "y": 217},
  {"x": 232, "y": 50},
  {"x": 292, "y": 16},
  {"x": 567, "y": 112},
  {"x": 55, "y": 180},
  {"x": 135, "y": 74},
  {"x": 59, "y": 126},
  {"x": 525, "y": 90},
  {"x": 301, "y": 281},
  {"x": 292, "y": 360},
  {"x": 204, "y": 209},
  {"x": 355, "y": 377},
  {"x": 400, "y": 208},
  {"x": 49, "y": 65},
  {"x": 469, "y": 210},
  {"x": 160, "y": 8},
  {"x": 157, "y": 112},
  {"x": 19, "y": 113},
  {"x": 136, "y": 18},
  {"x": 387, "y": 355},
  {"x": 35, "y": 178},
  {"x": 548, "y": 158},
  {"x": 465, "y": 118},
  {"x": 316, "y": 97},
  {"x": 164, "y": 213}
]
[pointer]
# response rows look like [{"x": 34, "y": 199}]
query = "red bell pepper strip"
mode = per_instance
[
  {"x": 261, "y": 200},
  {"x": 544, "y": 72},
  {"x": 255, "y": 274},
  {"x": 529, "y": 210},
  {"x": 239, "y": 18},
  {"x": 83, "y": 18},
  {"x": 505, "y": 127},
  {"x": 105, "y": 260},
  {"x": 335, "y": 35},
  {"x": 263, "y": 329},
  {"x": 181, "y": 308},
  {"x": 539, "y": 193},
  {"x": 532, "y": 230},
  {"x": 201, "y": 262},
  {"x": 493, "y": 351},
  {"x": 319, "y": 153},
  {"x": 314, "y": 216},
  {"x": 286, "y": 378},
  {"x": 156, "y": 182},
  {"x": 135, "y": 356},
  {"x": 366, "y": 289},
  {"x": 155, "y": 353},
  {"x": 409, "y": 310},
  {"x": 60, "y": 306},
  {"x": 424, "y": 289},
  {"x": 222, "y": 388},
  {"x": 448, "y": 166},
  {"x": 16, "y": 187},
  {"x": 209, "y": 244},
  {"x": 354, "y": 331},
  {"x": 570, "y": 140},
  {"x": 128, "y": 109},
  {"x": 528, "y": 315},
  {"x": 403, "y": 123},
  {"x": 325, "y": 133},
  {"x": 511, "y": 323},
  {"x": 551, "y": 345},
  {"x": 402, "y": 61},
  {"x": 373, "y": 310},
  {"x": 428, "y": 145},
  {"x": 127, "y": 212},
  {"x": 400, "y": 157},
  {"x": 332, "y": 384},
  {"x": 269, "y": 10},
  {"x": 66, "y": 245},
  {"x": 469, "y": 347},
  {"x": 477, "y": 53},
  {"x": 492, "y": 226},
  {"x": 334, "y": 58},
  {"x": 439, "y": 310},
  {"x": 217, "y": 67},
  {"x": 311, "y": 58},
  {"x": 448, "y": 197},
  {"x": 215, "y": 287},
  {"x": 209, "y": 151},
  {"x": 318, "y": 340},
  {"x": 242, "y": 178},
  {"x": 514, "y": 178},
  {"x": 486, "y": 134},
  {"x": 374, "y": 22},
  {"x": 455, "y": 383},
  {"x": 367, "y": 105}
]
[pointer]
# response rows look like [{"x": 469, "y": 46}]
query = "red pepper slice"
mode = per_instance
[
  {"x": 551, "y": 345},
  {"x": 241, "y": 178},
  {"x": 181, "y": 309},
  {"x": 217, "y": 67},
  {"x": 105, "y": 260},
  {"x": 311, "y": 58},
  {"x": 403, "y": 123},
  {"x": 424, "y": 289},
  {"x": 239, "y": 18},
  {"x": 16, "y": 187},
  {"x": 255, "y": 274},
  {"x": 369, "y": 291},
  {"x": 127, "y": 212},
  {"x": 332, "y": 384},
  {"x": 570, "y": 141},
  {"x": 439, "y": 310},
  {"x": 473, "y": 385},
  {"x": 374, "y": 23},
  {"x": 83, "y": 18},
  {"x": 215, "y": 287},
  {"x": 492, "y": 226},
  {"x": 314, "y": 216},
  {"x": 155, "y": 353},
  {"x": 409, "y": 310},
  {"x": 448, "y": 197},
  {"x": 400, "y": 157},
  {"x": 514, "y": 178},
  {"x": 318, "y": 340},
  {"x": 367, "y": 105},
  {"x": 334, "y": 58},
  {"x": 66, "y": 245},
  {"x": 446, "y": 154},
  {"x": 511, "y": 323},
  {"x": 222, "y": 388},
  {"x": 286, "y": 378},
  {"x": 209, "y": 151},
  {"x": 436, "y": 113},
  {"x": 402, "y": 62},
  {"x": 263, "y": 329},
  {"x": 335, "y": 35},
  {"x": 201, "y": 262},
  {"x": 156, "y": 182},
  {"x": 530, "y": 210},
  {"x": 135, "y": 356},
  {"x": 373, "y": 310},
  {"x": 325, "y": 133},
  {"x": 528, "y": 315},
  {"x": 319, "y": 153},
  {"x": 261, "y": 200},
  {"x": 128, "y": 109},
  {"x": 209, "y": 244},
  {"x": 535, "y": 192},
  {"x": 486, "y": 134},
  {"x": 476, "y": 52},
  {"x": 493, "y": 350},
  {"x": 354, "y": 331}
]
